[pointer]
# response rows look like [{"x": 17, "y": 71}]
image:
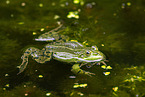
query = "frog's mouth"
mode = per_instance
[
  {"x": 86, "y": 60},
  {"x": 92, "y": 59}
]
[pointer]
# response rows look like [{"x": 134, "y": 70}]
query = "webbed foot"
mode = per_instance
[
  {"x": 24, "y": 62},
  {"x": 89, "y": 73},
  {"x": 76, "y": 69}
]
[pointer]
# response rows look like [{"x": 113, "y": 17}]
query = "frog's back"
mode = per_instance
[{"x": 68, "y": 44}]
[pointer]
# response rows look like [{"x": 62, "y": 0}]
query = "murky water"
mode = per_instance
[{"x": 115, "y": 27}]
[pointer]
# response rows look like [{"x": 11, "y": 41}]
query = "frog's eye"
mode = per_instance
[
  {"x": 88, "y": 53},
  {"x": 94, "y": 48}
]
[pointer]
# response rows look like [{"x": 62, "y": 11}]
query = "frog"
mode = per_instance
[{"x": 62, "y": 49}]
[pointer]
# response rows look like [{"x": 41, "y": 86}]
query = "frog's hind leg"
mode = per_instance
[{"x": 40, "y": 56}]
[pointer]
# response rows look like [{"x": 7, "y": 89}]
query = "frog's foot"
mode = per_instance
[
  {"x": 24, "y": 64},
  {"x": 40, "y": 56},
  {"x": 83, "y": 64},
  {"x": 25, "y": 61},
  {"x": 76, "y": 69},
  {"x": 102, "y": 63},
  {"x": 89, "y": 73},
  {"x": 88, "y": 65}
]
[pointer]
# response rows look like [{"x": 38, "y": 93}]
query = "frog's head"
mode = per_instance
[{"x": 92, "y": 55}]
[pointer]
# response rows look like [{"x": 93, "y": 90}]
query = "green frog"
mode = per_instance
[{"x": 61, "y": 49}]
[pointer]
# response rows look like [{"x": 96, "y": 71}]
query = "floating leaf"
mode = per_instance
[
  {"x": 103, "y": 66},
  {"x": 108, "y": 67},
  {"x": 7, "y": 85},
  {"x": 83, "y": 85},
  {"x": 34, "y": 33},
  {"x": 42, "y": 29},
  {"x": 21, "y": 23},
  {"x": 73, "y": 14},
  {"x": 102, "y": 44},
  {"x": 76, "y": 1},
  {"x": 115, "y": 89},
  {"x": 56, "y": 17},
  {"x": 128, "y": 4},
  {"x": 76, "y": 86},
  {"x": 40, "y": 5},
  {"x": 106, "y": 73},
  {"x": 74, "y": 40},
  {"x": 48, "y": 94},
  {"x": 40, "y": 76}
]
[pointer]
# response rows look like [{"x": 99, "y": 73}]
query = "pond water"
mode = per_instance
[{"x": 115, "y": 27}]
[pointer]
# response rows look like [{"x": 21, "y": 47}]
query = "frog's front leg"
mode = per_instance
[
  {"x": 77, "y": 70},
  {"x": 40, "y": 56}
]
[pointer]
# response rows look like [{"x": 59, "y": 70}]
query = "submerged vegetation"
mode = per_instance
[{"x": 115, "y": 27}]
